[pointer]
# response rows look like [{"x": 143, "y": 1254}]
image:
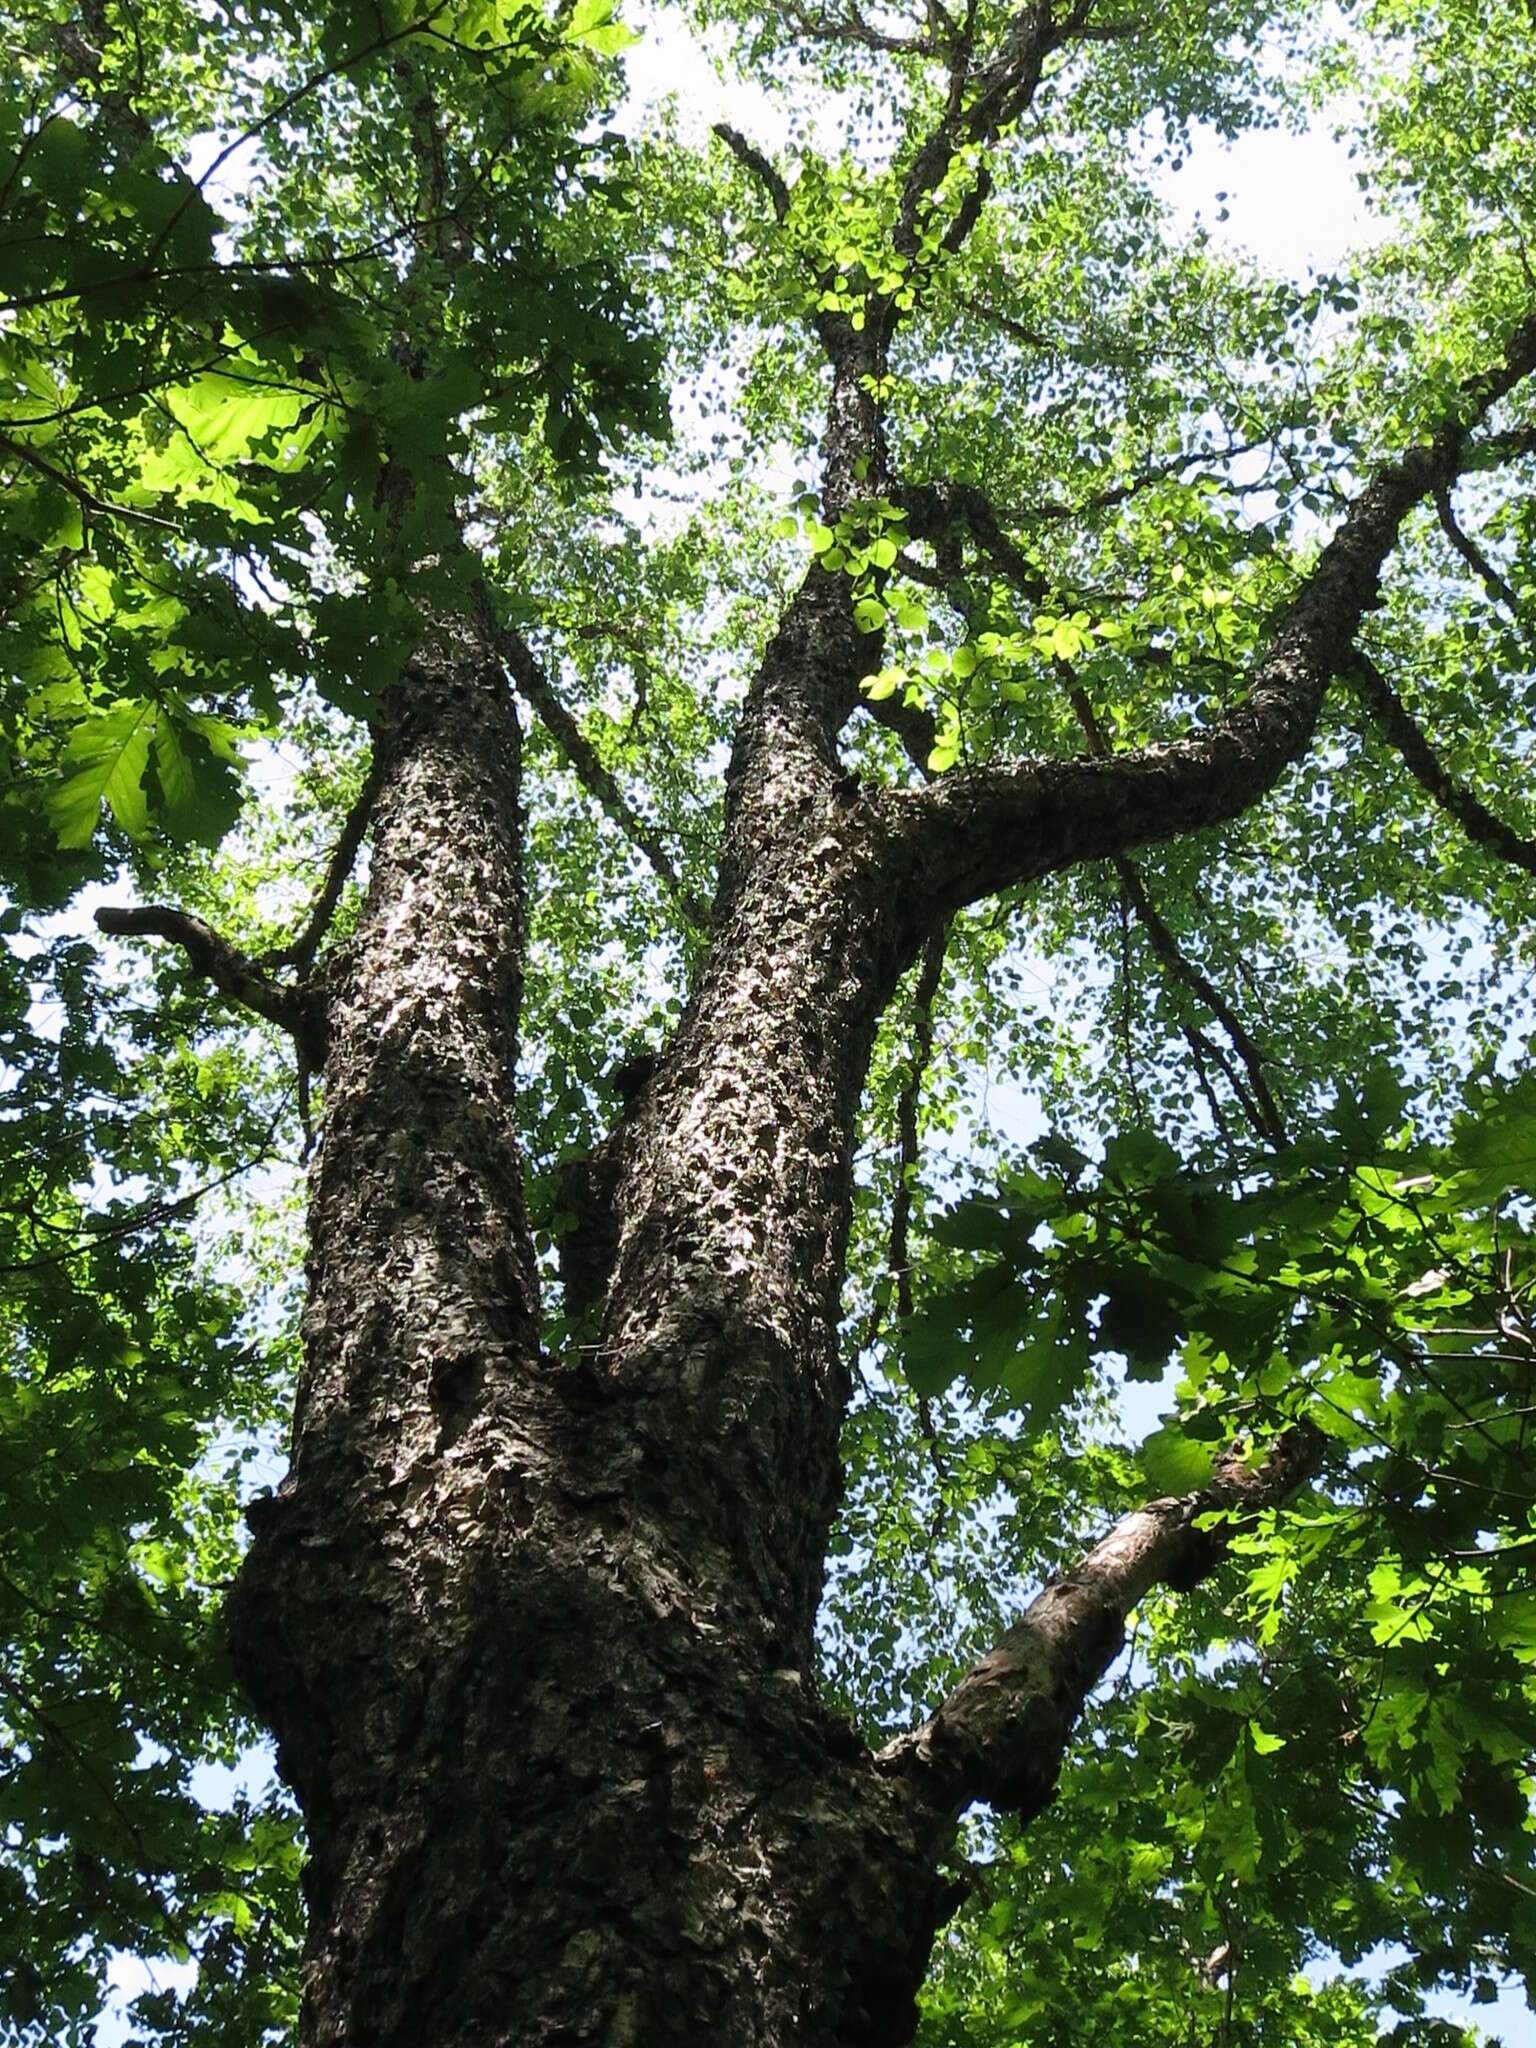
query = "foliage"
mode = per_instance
[
  {"x": 1333, "y": 1751},
  {"x": 323, "y": 325}
]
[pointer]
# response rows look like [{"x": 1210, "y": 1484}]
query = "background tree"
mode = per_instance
[{"x": 637, "y": 855}]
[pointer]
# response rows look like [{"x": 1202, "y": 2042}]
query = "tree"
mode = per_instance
[{"x": 1140, "y": 616}]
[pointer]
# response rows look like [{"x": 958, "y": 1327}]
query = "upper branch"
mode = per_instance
[
  {"x": 978, "y": 831},
  {"x": 752, "y": 159},
  {"x": 298, "y": 1010},
  {"x": 1002, "y": 1732}
]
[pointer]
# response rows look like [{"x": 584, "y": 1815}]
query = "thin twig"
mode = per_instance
[
  {"x": 899, "y": 1261},
  {"x": 85, "y": 498},
  {"x": 1473, "y": 556},
  {"x": 1263, "y": 1110}
]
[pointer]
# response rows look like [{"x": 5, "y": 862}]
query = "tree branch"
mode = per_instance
[
  {"x": 1492, "y": 449},
  {"x": 933, "y": 511},
  {"x": 899, "y": 1261},
  {"x": 757, "y": 165},
  {"x": 1005, "y": 88},
  {"x": 975, "y": 832},
  {"x": 851, "y": 27},
  {"x": 1479, "y": 823},
  {"x": 913, "y": 724},
  {"x": 590, "y": 771},
  {"x": 299, "y": 1011},
  {"x": 300, "y": 952},
  {"x": 1262, "y": 1110},
  {"x": 93, "y": 506},
  {"x": 1258, "y": 1103},
  {"x": 1473, "y": 555},
  {"x": 1003, "y": 1731}
]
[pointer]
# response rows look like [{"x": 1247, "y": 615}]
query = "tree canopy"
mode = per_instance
[{"x": 322, "y": 325}]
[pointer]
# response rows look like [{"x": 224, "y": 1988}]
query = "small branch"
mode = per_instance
[
  {"x": 1479, "y": 823},
  {"x": 923, "y": 995},
  {"x": 933, "y": 511},
  {"x": 1005, "y": 323},
  {"x": 300, "y": 953},
  {"x": 148, "y": 1865},
  {"x": 899, "y": 1259},
  {"x": 1127, "y": 1039},
  {"x": 298, "y": 1011},
  {"x": 1198, "y": 1045},
  {"x": 851, "y": 27},
  {"x": 86, "y": 499},
  {"x": 1235, "y": 1080},
  {"x": 1002, "y": 1733},
  {"x": 147, "y": 1217},
  {"x": 1108, "y": 32},
  {"x": 757, "y": 165},
  {"x": 590, "y": 771},
  {"x": 1007, "y": 85},
  {"x": 1473, "y": 555},
  {"x": 1263, "y": 1110},
  {"x": 1491, "y": 449}
]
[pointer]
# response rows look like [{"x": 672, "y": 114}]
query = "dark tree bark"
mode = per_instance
[
  {"x": 536, "y": 1643},
  {"x": 535, "y": 1638}
]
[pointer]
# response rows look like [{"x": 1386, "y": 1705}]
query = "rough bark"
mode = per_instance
[
  {"x": 536, "y": 1642},
  {"x": 536, "y": 1637},
  {"x": 1003, "y": 1732}
]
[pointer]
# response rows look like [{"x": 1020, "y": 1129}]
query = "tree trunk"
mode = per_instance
[{"x": 536, "y": 1642}]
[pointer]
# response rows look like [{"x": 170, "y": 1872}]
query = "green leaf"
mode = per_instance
[
  {"x": 1173, "y": 1464},
  {"x": 105, "y": 760}
]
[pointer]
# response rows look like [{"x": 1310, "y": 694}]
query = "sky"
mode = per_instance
[{"x": 1291, "y": 201}]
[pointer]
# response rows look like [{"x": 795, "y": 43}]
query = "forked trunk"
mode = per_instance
[{"x": 536, "y": 1641}]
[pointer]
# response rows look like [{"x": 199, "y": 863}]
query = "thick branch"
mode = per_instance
[
  {"x": 1002, "y": 1732},
  {"x": 1479, "y": 823},
  {"x": 979, "y": 831},
  {"x": 298, "y": 1011},
  {"x": 595, "y": 778}
]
